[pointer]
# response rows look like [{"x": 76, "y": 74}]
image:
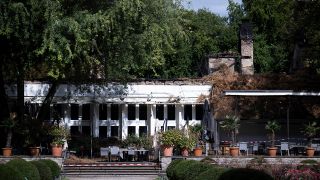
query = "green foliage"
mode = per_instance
[
  {"x": 212, "y": 173},
  {"x": 44, "y": 170},
  {"x": 6, "y": 172},
  {"x": 310, "y": 130},
  {"x": 171, "y": 137},
  {"x": 55, "y": 169},
  {"x": 245, "y": 173},
  {"x": 59, "y": 134},
  {"x": 195, "y": 169},
  {"x": 27, "y": 169},
  {"x": 272, "y": 126},
  {"x": 181, "y": 169},
  {"x": 232, "y": 125},
  {"x": 170, "y": 171}
]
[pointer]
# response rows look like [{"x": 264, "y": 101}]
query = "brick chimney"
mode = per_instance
[{"x": 246, "y": 48}]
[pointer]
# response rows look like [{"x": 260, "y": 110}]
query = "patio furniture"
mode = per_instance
[
  {"x": 115, "y": 152},
  {"x": 284, "y": 146},
  {"x": 216, "y": 149},
  {"x": 255, "y": 148},
  {"x": 243, "y": 147}
]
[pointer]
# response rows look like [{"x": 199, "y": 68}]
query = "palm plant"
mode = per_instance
[
  {"x": 272, "y": 126},
  {"x": 310, "y": 130},
  {"x": 232, "y": 125}
]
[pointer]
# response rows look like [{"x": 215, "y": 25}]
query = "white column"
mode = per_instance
[
  {"x": 124, "y": 121},
  {"x": 66, "y": 108},
  {"x": 165, "y": 111},
  {"x": 151, "y": 109},
  {"x": 137, "y": 120},
  {"x": 179, "y": 116},
  {"x": 193, "y": 112},
  {"x": 108, "y": 120},
  {"x": 80, "y": 118},
  {"x": 94, "y": 112}
]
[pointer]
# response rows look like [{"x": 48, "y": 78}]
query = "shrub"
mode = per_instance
[
  {"x": 208, "y": 160},
  {"x": 44, "y": 170},
  {"x": 309, "y": 164},
  {"x": 55, "y": 169},
  {"x": 195, "y": 169},
  {"x": 212, "y": 173},
  {"x": 171, "y": 168},
  {"x": 27, "y": 169},
  {"x": 6, "y": 172},
  {"x": 181, "y": 169},
  {"x": 302, "y": 174},
  {"x": 245, "y": 173}
]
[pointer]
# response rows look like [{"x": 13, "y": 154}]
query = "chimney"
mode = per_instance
[{"x": 246, "y": 48}]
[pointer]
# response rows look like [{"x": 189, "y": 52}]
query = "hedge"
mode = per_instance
[
  {"x": 7, "y": 172},
  {"x": 171, "y": 168},
  {"x": 27, "y": 169},
  {"x": 181, "y": 169},
  {"x": 44, "y": 170},
  {"x": 195, "y": 169},
  {"x": 212, "y": 173},
  {"x": 245, "y": 173},
  {"x": 55, "y": 169}
]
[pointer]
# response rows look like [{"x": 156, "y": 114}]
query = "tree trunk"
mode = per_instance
[
  {"x": 4, "y": 113},
  {"x": 47, "y": 101},
  {"x": 20, "y": 92}
]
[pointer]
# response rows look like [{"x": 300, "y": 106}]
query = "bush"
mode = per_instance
[
  {"x": 181, "y": 169},
  {"x": 6, "y": 172},
  {"x": 212, "y": 173},
  {"x": 44, "y": 170},
  {"x": 55, "y": 169},
  {"x": 245, "y": 173},
  {"x": 195, "y": 169},
  {"x": 171, "y": 168},
  {"x": 27, "y": 169}
]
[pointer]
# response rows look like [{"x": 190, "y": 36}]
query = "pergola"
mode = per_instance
[{"x": 283, "y": 93}]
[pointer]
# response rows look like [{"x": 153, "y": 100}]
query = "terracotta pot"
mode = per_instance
[
  {"x": 56, "y": 150},
  {"x": 234, "y": 151},
  {"x": 272, "y": 151},
  {"x": 167, "y": 150},
  {"x": 197, "y": 151},
  {"x": 310, "y": 151},
  {"x": 184, "y": 152},
  {"x": 7, "y": 151},
  {"x": 34, "y": 151}
]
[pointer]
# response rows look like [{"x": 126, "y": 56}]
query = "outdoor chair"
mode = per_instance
[
  {"x": 131, "y": 154},
  {"x": 243, "y": 146},
  {"x": 255, "y": 148},
  {"x": 115, "y": 152},
  {"x": 216, "y": 149},
  {"x": 284, "y": 146}
]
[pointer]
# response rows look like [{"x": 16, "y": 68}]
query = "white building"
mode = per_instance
[{"x": 119, "y": 110}]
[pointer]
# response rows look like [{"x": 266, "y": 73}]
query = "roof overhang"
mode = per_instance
[{"x": 269, "y": 93}]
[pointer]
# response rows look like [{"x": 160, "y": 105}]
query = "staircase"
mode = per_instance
[{"x": 112, "y": 169}]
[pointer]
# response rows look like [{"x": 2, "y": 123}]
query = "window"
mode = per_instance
[
  {"x": 74, "y": 130},
  {"x": 199, "y": 112},
  {"x": 103, "y": 131},
  {"x": 160, "y": 111},
  {"x": 131, "y": 111},
  {"x": 171, "y": 112},
  {"x": 74, "y": 111},
  {"x": 103, "y": 112},
  {"x": 114, "y": 131},
  {"x": 86, "y": 130},
  {"x": 131, "y": 130},
  {"x": 142, "y": 131},
  {"x": 143, "y": 112},
  {"x": 57, "y": 112},
  {"x": 86, "y": 112},
  {"x": 188, "y": 112},
  {"x": 115, "y": 112},
  {"x": 171, "y": 127}
]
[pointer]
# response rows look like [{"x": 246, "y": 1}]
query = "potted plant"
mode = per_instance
[
  {"x": 272, "y": 126},
  {"x": 60, "y": 134},
  {"x": 169, "y": 139},
  {"x": 8, "y": 123},
  {"x": 310, "y": 130},
  {"x": 231, "y": 124},
  {"x": 196, "y": 131},
  {"x": 186, "y": 143}
]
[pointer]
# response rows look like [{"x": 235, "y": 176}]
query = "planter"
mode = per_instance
[
  {"x": 197, "y": 151},
  {"x": 234, "y": 151},
  {"x": 56, "y": 150},
  {"x": 310, "y": 151},
  {"x": 272, "y": 151},
  {"x": 34, "y": 151},
  {"x": 184, "y": 152},
  {"x": 7, "y": 151},
  {"x": 167, "y": 150}
]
